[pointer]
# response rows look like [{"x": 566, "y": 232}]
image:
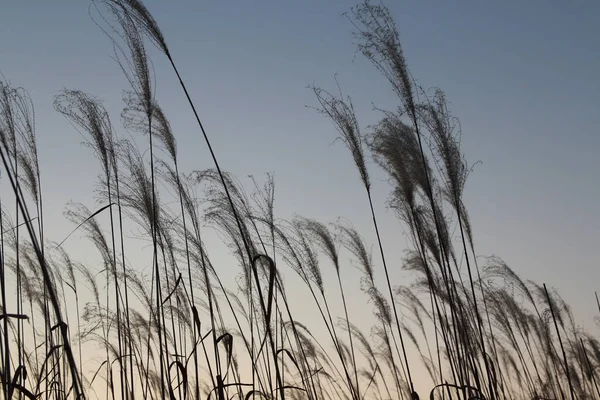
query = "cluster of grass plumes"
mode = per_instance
[{"x": 173, "y": 326}]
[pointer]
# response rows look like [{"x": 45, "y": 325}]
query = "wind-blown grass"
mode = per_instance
[{"x": 181, "y": 329}]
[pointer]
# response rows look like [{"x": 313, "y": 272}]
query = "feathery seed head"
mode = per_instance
[
  {"x": 341, "y": 113},
  {"x": 379, "y": 41},
  {"x": 136, "y": 11}
]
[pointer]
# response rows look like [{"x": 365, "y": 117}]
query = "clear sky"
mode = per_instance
[{"x": 521, "y": 76}]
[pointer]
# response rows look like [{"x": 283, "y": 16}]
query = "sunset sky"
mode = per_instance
[{"x": 522, "y": 77}]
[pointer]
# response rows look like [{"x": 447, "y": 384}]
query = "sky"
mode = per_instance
[{"x": 521, "y": 77}]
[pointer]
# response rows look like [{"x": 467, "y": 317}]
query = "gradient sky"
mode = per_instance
[{"x": 521, "y": 76}]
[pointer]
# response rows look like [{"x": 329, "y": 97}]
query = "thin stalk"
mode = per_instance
[
  {"x": 564, "y": 354},
  {"x": 127, "y": 318},
  {"x": 477, "y": 314},
  {"x": 189, "y": 267},
  {"x": 434, "y": 294},
  {"x": 167, "y": 281},
  {"x": 391, "y": 294},
  {"x": 77, "y": 387},
  {"x": 349, "y": 334},
  {"x": 121, "y": 359},
  {"x": 154, "y": 228},
  {"x": 6, "y": 361},
  {"x": 591, "y": 372},
  {"x": 267, "y": 322},
  {"x": 487, "y": 313},
  {"x": 20, "y": 332},
  {"x": 352, "y": 388}
]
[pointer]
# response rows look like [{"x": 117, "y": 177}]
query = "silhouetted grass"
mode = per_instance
[{"x": 111, "y": 331}]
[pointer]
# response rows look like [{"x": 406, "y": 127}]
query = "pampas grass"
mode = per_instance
[{"x": 179, "y": 323}]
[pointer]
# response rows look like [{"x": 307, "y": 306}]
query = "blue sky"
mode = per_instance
[{"x": 521, "y": 76}]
